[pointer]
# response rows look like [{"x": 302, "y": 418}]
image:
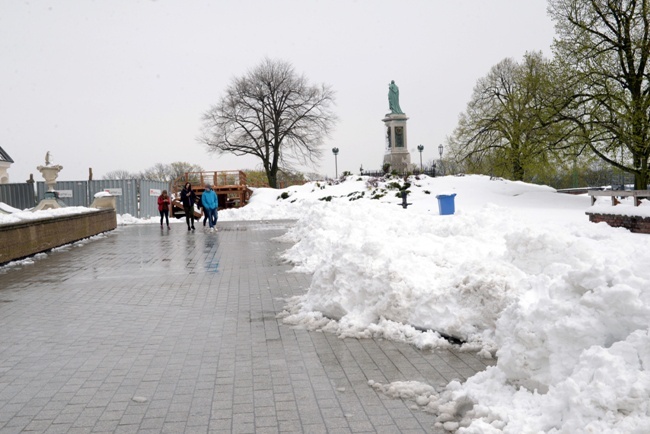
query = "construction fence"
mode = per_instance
[{"x": 137, "y": 197}]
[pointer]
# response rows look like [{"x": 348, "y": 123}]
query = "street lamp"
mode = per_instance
[
  {"x": 440, "y": 149},
  {"x": 420, "y": 148},
  {"x": 335, "y": 151}
]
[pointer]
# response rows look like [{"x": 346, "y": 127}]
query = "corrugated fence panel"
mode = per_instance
[
  {"x": 72, "y": 193},
  {"x": 82, "y": 193},
  {"x": 19, "y": 196},
  {"x": 149, "y": 192},
  {"x": 124, "y": 190}
]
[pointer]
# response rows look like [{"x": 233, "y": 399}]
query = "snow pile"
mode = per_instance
[
  {"x": 518, "y": 272},
  {"x": 17, "y": 216},
  {"x": 6, "y": 209},
  {"x": 128, "y": 219}
]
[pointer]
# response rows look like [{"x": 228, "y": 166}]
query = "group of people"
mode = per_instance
[{"x": 208, "y": 203}]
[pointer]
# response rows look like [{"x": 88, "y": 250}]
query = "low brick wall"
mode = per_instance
[
  {"x": 633, "y": 223},
  {"x": 20, "y": 240}
]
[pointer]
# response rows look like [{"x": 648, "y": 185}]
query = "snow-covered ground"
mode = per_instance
[{"x": 518, "y": 273}]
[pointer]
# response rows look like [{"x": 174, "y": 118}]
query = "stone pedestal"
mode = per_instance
[
  {"x": 397, "y": 154},
  {"x": 50, "y": 201}
]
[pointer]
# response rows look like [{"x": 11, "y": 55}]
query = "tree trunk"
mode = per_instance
[
  {"x": 272, "y": 176},
  {"x": 641, "y": 176},
  {"x": 517, "y": 167}
]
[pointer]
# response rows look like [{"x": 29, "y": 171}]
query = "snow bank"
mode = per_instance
[
  {"x": 518, "y": 272},
  {"x": 17, "y": 216}
]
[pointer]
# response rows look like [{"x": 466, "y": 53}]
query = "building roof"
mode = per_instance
[{"x": 4, "y": 156}]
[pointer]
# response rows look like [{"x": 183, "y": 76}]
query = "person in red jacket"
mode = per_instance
[{"x": 163, "y": 208}]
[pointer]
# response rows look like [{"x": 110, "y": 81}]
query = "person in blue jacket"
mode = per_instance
[{"x": 210, "y": 203}]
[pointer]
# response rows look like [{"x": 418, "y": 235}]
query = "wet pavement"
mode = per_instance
[{"x": 151, "y": 331}]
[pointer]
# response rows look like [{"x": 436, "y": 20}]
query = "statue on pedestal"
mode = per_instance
[
  {"x": 393, "y": 98},
  {"x": 397, "y": 155}
]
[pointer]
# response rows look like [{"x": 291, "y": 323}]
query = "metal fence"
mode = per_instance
[
  {"x": 19, "y": 196},
  {"x": 124, "y": 190},
  {"x": 132, "y": 196},
  {"x": 431, "y": 171},
  {"x": 72, "y": 193},
  {"x": 149, "y": 192}
]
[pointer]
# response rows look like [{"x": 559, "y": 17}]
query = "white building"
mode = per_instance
[{"x": 5, "y": 162}]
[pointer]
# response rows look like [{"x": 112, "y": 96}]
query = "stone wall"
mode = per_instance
[
  {"x": 23, "y": 239},
  {"x": 633, "y": 223}
]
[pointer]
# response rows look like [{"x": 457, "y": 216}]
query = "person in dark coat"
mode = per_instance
[
  {"x": 163, "y": 208},
  {"x": 188, "y": 198}
]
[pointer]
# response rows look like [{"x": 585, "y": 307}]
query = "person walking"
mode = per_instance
[
  {"x": 210, "y": 203},
  {"x": 188, "y": 198},
  {"x": 163, "y": 208},
  {"x": 203, "y": 213}
]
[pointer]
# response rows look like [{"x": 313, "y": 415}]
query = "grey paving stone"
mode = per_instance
[{"x": 188, "y": 322}]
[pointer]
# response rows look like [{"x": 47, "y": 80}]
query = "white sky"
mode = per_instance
[{"x": 122, "y": 84}]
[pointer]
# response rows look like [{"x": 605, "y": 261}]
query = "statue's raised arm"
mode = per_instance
[{"x": 393, "y": 98}]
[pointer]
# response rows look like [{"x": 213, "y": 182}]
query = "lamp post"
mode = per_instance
[
  {"x": 335, "y": 151},
  {"x": 420, "y": 148},
  {"x": 440, "y": 149}
]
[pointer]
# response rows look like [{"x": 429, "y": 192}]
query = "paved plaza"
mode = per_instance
[{"x": 144, "y": 330}]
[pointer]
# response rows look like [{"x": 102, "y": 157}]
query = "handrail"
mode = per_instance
[{"x": 637, "y": 194}]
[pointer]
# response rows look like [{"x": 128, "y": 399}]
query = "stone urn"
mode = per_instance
[{"x": 50, "y": 173}]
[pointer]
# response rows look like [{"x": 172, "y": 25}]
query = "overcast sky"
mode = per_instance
[{"x": 122, "y": 84}]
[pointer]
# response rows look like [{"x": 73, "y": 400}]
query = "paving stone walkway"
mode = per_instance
[{"x": 150, "y": 331}]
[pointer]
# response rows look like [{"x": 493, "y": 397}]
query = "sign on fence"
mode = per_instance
[
  {"x": 155, "y": 192},
  {"x": 64, "y": 193},
  {"x": 114, "y": 191}
]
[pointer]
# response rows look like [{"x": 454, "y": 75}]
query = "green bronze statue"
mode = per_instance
[{"x": 393, "y": 98}]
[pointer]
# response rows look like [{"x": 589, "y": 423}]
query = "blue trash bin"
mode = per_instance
[{"x": 446, "y": 203}]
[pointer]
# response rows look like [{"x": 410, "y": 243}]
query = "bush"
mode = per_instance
[
  {"x": 355, "y": 195},
  {"x": 394, "y": 186}
]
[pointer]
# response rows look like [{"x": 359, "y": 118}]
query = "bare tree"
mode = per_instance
[
  {"x": 273, "y": 114},
  {"x": 178, "y": 169},
  {"x": 157, "y": 172},
  {"x": 120, "y": 174},
  {"x": 169, "y": 172},
  {"x": 604, "y": 48}
]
